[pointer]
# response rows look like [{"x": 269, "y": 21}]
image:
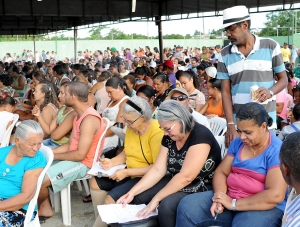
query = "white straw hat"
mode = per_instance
[{"x": 235, "y": 15}]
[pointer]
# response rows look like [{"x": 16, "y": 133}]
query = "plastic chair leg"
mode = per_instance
[
  {"x": 86, "y": 187},
  {"x": 79, "y": 185},
  {"x": 65, "y": 198},
  {"x": 55, "y": 200}
]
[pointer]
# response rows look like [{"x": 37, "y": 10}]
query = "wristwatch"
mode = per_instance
[
  {"x": 233, "y": 202},
  {"x": 271, "y": 93}
]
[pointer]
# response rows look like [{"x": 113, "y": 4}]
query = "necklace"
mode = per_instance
[{"x": 254, "y": 152}]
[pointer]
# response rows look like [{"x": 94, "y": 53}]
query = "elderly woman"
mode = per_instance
[
  {"x": 20, "y": 167},
  {"x": 189, "y": 151},
  {"x": 249, "y": 189},
  {"x": 141, "y": 147}
]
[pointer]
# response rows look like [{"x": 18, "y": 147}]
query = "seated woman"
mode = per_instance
[
  {"x": 118, "y": 92},
  {"x": 148, "y": 93},
  {"x": 37, "y": 77},
  {"x": 99, "y": 89},
  {"x": 61, "y": 125},
  {"x": 189, "y": 152},
  {"x": 162, "y": 87},
  {"x": 249, "y": 189},
  {"x": 141, "y": 147},
  {"x": 19, "y": 83},
  {"x": 189, "y": 81},
  {"x": 131, "y": 83},
  {"x": 46, "y": 102},
  {"x": 141, "y": 74},
  {"x": 20, "y": 167},
  {"x": 213, "y": 107}
]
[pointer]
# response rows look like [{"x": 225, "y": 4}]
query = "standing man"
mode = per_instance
[
  {"x": 294, "y": 55},
  {"x": 286, "y": 53},
  {"x": 169, "y": 70},
  {"x": 248, "y": 60},
  {"x": 73, "y": 159},
  {"x": 114, "y": 55}
]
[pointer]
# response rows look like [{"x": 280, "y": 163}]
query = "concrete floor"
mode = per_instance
[{"x": 82, "y": 213}]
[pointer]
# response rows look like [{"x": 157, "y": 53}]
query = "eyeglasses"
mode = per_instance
[
  {"x": 167, "y": 130},
  {"x": 180, "y": 98},
  {"x": 130, "y": 122},
  {"x": 230, "y": 29}
]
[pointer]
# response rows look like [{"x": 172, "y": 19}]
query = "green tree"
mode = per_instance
[
  {"x": 197, "y": 32},
  {"x": 281, "y": 21},
  {"x": 95, "y": 33},
  {"x": 173, "y": 36},
  {"x": 188, "y": 36}
]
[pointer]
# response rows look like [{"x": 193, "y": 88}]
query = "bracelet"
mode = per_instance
[
  {"x": 233, "y": 203},
  {"x": 230, "y": 123}
]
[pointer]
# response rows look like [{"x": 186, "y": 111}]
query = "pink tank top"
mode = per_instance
[
  {"x": 104, "y": 97},
  {"x": 88, "y": 160}
]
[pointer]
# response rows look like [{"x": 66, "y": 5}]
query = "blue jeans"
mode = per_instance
[
  {"x": 194, "y": 210},
  {"x": 50, "y": 143}
]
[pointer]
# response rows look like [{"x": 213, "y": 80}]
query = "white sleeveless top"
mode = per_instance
[{"x": 111, "y": 113}]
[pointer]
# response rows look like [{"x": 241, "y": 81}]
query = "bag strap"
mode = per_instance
[{"x": 295, "y": 128}]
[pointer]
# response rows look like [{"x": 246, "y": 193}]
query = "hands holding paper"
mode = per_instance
[
  {"x": 119, "y": 175},
  {"x": 106, "y": 163},
  {"x": 127, "y": 198}
]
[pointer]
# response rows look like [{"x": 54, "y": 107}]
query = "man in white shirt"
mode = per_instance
[{"x": 182, "y": 96}]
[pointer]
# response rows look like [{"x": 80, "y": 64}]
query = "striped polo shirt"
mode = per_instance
[{"x": 257, "y": 68}]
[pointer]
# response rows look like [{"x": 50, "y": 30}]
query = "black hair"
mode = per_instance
[
  {"x": 296, "y": 112},
  {"x": 51, "y": 93},
  {"x": 6, "y": 79},
  {"x": 15, "y": 69},
  {"x": 116, "y": 82},
  {"x": 25, "y": 69},
  {"x": 162, "y": 77},
  {"x": 290, "y": 154},
  {"x": 39, "y": 64},
  {"x": 8, "y": 100},
  {"x": 156, "y": 49},
  {"x": 58, "y": 69},
  {"x": 255, "y": 112},
  {"x": 147, "y": 90},
  {"x": 140, "y": 70},
  {"x": 76, "y": 66},
  {"x": 190, "y": 75},
  {"x": 215, "y": 83},
  {"x": 104, "y": 76},
  {"x": 202, "y": 66}
]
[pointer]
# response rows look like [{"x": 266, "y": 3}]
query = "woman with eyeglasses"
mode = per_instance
[
  {"x": 189, "y": 81},
  {"x": 162, "y": 86},
  {"x": 189, "y": 152},
  {"x": 141, "y": 148}
]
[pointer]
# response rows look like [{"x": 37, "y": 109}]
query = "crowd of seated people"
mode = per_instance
[{"x": 173, "y": 160}]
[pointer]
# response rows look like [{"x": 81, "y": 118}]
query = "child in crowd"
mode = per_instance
[
  {"x": 295, "y": 126},
  {"x": 213, "y": 107}
]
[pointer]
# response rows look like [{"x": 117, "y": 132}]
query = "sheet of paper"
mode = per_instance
[
  {"x": 115, "y": 213},
  {"x": 97, "y": 168}
]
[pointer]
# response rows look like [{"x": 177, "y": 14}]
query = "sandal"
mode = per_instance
[{"x": 87, "y": 199}]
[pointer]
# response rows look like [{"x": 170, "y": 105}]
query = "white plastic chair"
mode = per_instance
[
  {"x": 6, "y": 138},
  {"x": 65, "y": 194},
  {"x": 218, "y": 126},
  {"x": 48, "y": 153},
  {"x": 221, "y": 142}
]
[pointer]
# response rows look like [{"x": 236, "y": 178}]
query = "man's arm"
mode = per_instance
[
  {"x": 228, "y": 109},
  {"x": 88, "y": 128}
]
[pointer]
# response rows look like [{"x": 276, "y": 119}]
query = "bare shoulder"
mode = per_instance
[{"x": 90, "y": 123}]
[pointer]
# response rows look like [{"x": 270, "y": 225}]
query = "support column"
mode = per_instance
[
  {"x": 160, "y": 36},
  {"x": 33, "y": 38},
  {"x": 75, "y": 43}
]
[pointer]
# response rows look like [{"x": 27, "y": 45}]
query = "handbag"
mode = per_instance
[{"x": 148, "y": 222}]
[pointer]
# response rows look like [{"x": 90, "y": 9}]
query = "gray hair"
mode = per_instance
[
  {"x": 142, "y": 103},
  {"x": 27, "y": 127},
  {"x": 173, "y": 111}
]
